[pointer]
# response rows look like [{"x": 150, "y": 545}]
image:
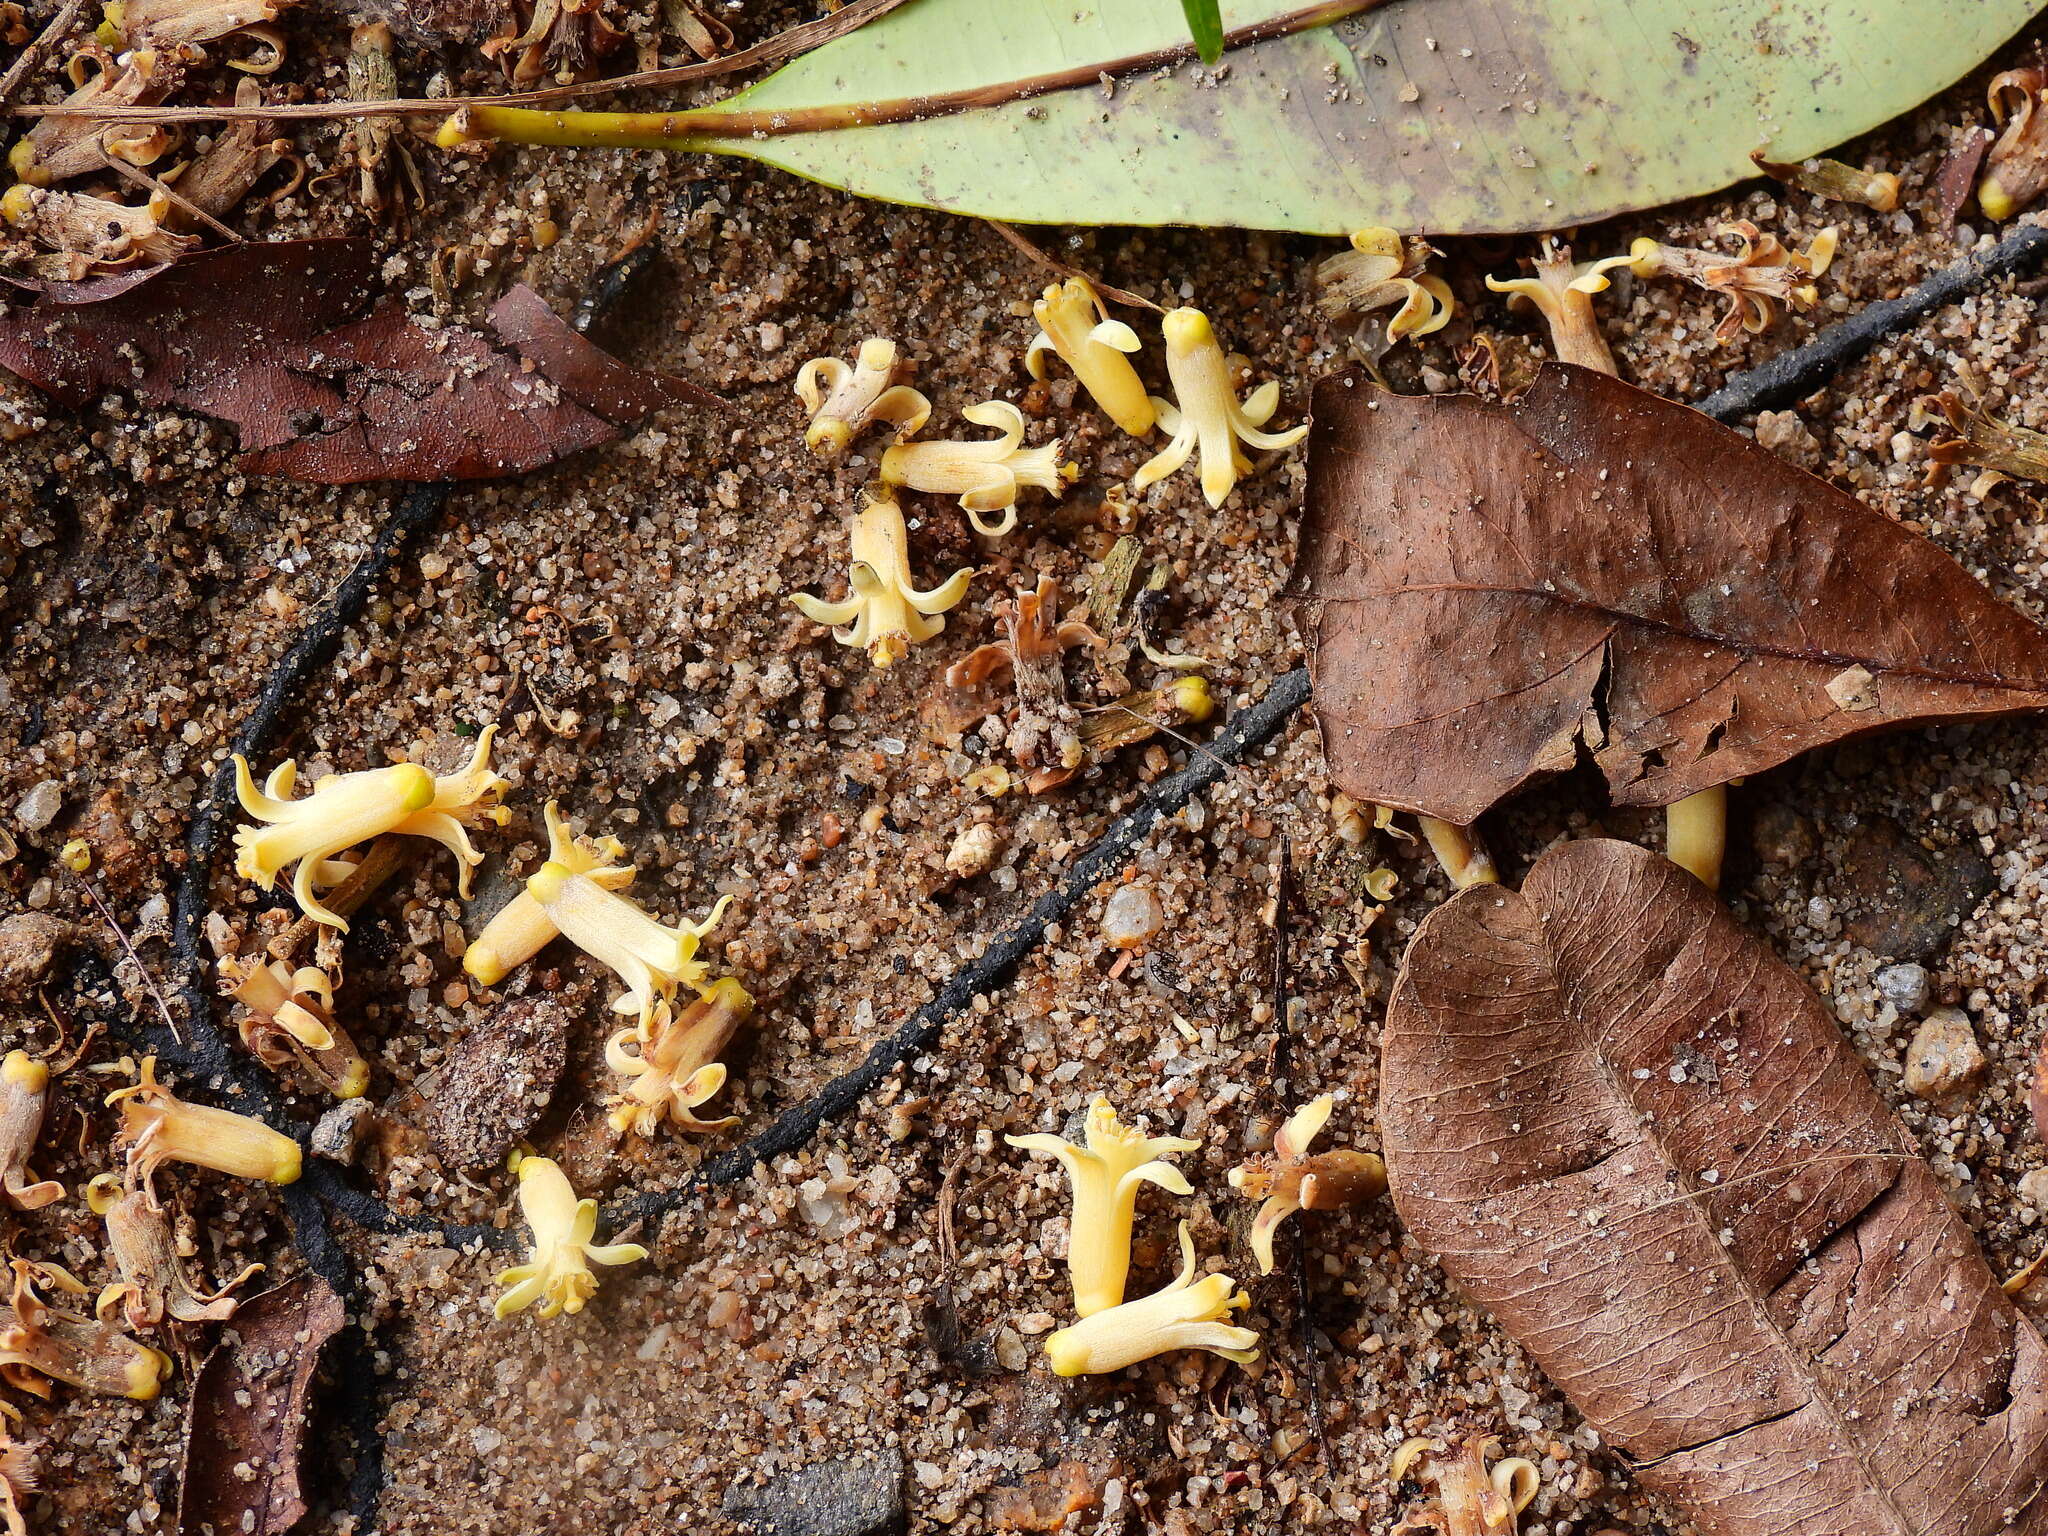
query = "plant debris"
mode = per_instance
[
  {"x": 245, "y": 1433},
  {"x": 1625, "y": 578},
  {"x": 1698, "y": 1215},
  {"x": 263, "y": 336}
]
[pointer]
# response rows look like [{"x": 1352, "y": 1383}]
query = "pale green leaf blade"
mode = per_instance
[
  {"x": 1205, "y": 26},
  {"x": 1447, "y": 116}
]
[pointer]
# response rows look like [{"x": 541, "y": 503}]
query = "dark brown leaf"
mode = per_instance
[
  {"x": 266, "y": 336},
  {"x": 1496, "y": 588},
  {"x": 249, "y": 1412},
  {"x": 1636, "y": 1136}
]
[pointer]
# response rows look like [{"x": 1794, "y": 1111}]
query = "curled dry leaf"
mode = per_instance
[
  {"x": 249, "y": 1412},
  {"x": 267, "y": 336},
  {"x": 1637, "y": 1137},
  {"x": 1619, "y": 576}
]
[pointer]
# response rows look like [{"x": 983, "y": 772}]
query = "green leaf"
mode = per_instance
[
  {"x": 1525, "y": 115},
  {"x": 1205, "y": 26}
]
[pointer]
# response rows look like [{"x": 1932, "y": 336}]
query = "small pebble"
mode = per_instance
[
  {"x": 1131, "y": 916},
  {"x": 2033, "y": 1189},
  {"x": 339, "y": 1134},
  {"x": 39, "y": 807},
  {"x": 1944, "y": 1059},
  {"x": 974, "y": 850},
  {"x": 1904, "y": 987}
]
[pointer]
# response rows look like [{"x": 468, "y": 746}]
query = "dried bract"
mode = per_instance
[
  {"x": 1469, "y": 1499},
  {"x": 158, "y": 1127},
  {"x": 883, "y": 613},
  {"x": 1562, "y": 292},
  {"x": 1144, "y": 714},
  {"x": 1759, "y": 276},
  {"x": 1184, "y": 1314},
  {"x": 563, "y": 38},
  {"x": 1105, "y": 1175},
  {"x": 558, "y": 1276},
  {"x": 179, "y": 23},
  {"x": 579, "y": 899},
  {"x": 842, "y": 399},
  {"x": 1208, "y": 417},
  {"x": 24, "y": 1093},
  {"x": 2016, "y": 166},
  {"x": 289, "y": 1016},
  {"x": 1073, "y": 324},
  {"x": 19, "y": 1477},
  {"x": 1982, "y": 440},
  {"x": 46, "y": 1343},
  {"x": 1383, "y": 270},
  {"x": 1831, "y": 179},
  {"x": 58, "y": 148},
  {"x": 1291, "y": 1178},
  {"x": 153, "y": 1281},
  {"x": 986, "y": 476},
  {"x": 673, "y": 1060},
  {"x": 1047, "y": 729},
  {"x": 86, "y": 232}
]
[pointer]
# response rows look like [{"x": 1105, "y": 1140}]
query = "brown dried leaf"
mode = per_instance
[
  {"x": 1497, "y": 588},
  {"x": 249, "y": 1410},
  {"x": 1636, "y": 1137},
  {"x": 263, "y": 335},
  {"x": 497, "y": 1082}
]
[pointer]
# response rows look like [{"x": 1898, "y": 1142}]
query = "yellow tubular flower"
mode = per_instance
[
  {"x": 986, "y": 476},
  {"x": 24, "y": 1091},
  {"x": 883, "y": 613},
  {"x": 521, "y": 929},
  {"x": 158, "y": 1127},
  {"x": 558, "y": 1276},
  {"x": 1208, "y": 415},
  {"x": 343, "y": 810},
  {"x": 584, "y": 906},
  {"x": 675, "y": 1065},
  {"x": 461, "y": 800},
  {"x": 46, "y": 1342},
  {"x": 1294, "y": 1179},
  {"x": 1382, "y": 270},
  {"x": 1105, "y": 1177},
  {"x": 1185, "y": 1314},
  {"x": 1073, "y": 324},
  {"x": 842, "y": 400},
  {"x": 154, "y": 1280},
  {"x": 1562, "y": 292}
]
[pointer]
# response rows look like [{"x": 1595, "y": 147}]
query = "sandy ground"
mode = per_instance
[{"x": 736, "y": 751}]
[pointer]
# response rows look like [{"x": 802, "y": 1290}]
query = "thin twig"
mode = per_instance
[
  {"x": 143, "y": 179},
  {"x": 782, "y": 46},
  {"x": 148, "y": 981},
  {"x": 1047, "y": 259},
  {"x": 26, "y": 61}
]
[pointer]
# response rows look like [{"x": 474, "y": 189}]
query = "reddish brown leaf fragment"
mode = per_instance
[
  {"x": 1494, "y": 589},
  {"x": 1638, "y": 1138},
  {"x": 586, "y": 373},
  {"x": 249, "y": 1411},
  {"x": 1956, "y": 178},
  {"x": 265, "y": 336}
]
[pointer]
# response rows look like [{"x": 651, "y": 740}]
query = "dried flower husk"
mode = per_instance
[
  {"x": 41, "y": 1343},
  {"x": 24, "y": 1095},
  {"x": 155, "y": 1284}
]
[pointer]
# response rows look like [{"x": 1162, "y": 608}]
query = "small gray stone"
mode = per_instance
[
  {"x": 39, "y": 807},
  {"x": 1898, "y": 899},
  {"x": 1904, "y": 987},
  {"x": 847, "y": 1496},
  {"x": 339, "y": 1133}
]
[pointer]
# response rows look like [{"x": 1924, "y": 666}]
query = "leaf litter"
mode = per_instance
[
  {"x": 1621, "y": 579},
  {"x": 271, "y": 337},
  {"x": 1638, "y": 1138}
]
